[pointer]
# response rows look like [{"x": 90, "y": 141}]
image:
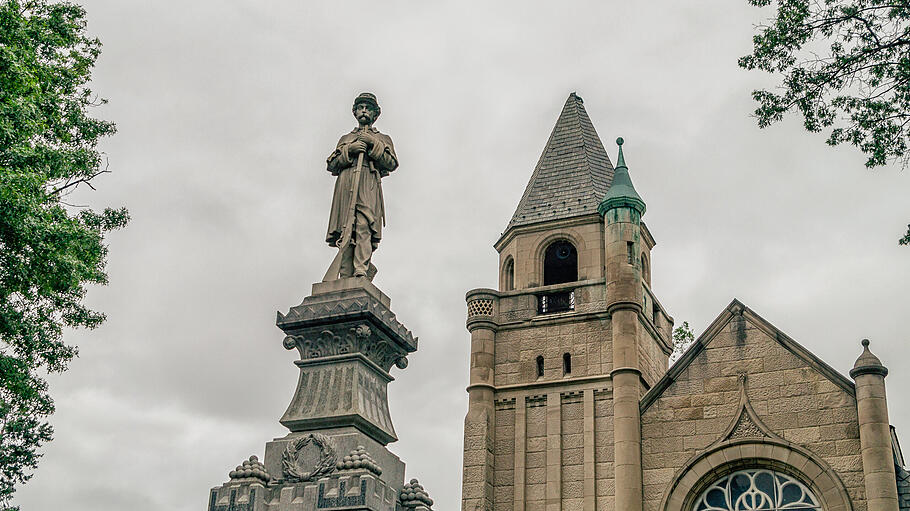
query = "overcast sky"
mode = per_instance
[{"x": 226, "y": 112}]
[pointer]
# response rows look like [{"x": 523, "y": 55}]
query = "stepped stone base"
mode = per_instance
[{"x": 335, "y": 456}]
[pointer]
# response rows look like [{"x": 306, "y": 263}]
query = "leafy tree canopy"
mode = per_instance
[
  {"x": 683, "y": 337},
  {"x": 49, "y": 250},
  {"x": 845, "y": 66}
]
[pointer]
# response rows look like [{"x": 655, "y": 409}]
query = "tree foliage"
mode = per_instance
[
  {"x": 683, "y": 337},
  {"x": 845, "y": 67},
  {"x": 49, "y": 250}
]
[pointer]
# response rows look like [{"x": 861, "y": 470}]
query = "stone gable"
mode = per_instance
[{"x": 795, "y": 396}]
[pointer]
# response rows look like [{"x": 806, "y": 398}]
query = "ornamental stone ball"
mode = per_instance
[{"x": 360, "y": 160}]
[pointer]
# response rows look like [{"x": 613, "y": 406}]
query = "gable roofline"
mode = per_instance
[
  {"x": 736, "y": 308},
  {"x": 647, "y": 236}
]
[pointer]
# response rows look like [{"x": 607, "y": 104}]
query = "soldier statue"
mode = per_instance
[{"x": 360, "y": 160}]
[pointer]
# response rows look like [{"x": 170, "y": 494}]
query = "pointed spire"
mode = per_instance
[
  {"x": 573, "y": 173},
  {"x": 621, "y": 193},
  {"x": 620, "y": 160}
]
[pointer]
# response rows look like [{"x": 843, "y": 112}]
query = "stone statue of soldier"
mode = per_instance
[{"x": 360, "y": 161}]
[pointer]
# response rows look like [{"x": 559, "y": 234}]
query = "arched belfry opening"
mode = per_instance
[{"x": 560, "y": 263}]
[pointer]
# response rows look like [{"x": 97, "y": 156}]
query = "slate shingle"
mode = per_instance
[
  {"x": 903, "y": 488},
  {"x": 573, "y": 173}
]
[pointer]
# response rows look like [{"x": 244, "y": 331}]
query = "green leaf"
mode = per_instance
[
  {"x": 49, "y": 251},
  {"x": 844, "y": 67}
]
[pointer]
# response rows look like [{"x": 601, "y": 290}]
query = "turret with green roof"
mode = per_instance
[
  {"x": 622, "y": 208},
  {"x": 621, "y": 192}
]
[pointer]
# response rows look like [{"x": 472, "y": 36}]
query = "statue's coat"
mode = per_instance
[{"x": 377, "y": 163}]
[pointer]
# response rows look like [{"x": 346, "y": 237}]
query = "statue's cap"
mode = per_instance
[{"x": 368, "y": 98}]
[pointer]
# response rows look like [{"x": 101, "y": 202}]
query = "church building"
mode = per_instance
[{"x": 573, "y": 405}]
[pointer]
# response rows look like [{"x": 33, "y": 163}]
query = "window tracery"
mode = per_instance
[{"x": 757, "y": 489}]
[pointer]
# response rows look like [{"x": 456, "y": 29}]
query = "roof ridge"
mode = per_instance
[
  {"x": 597, "y": 143},
  {"x": 584, "y": 142}
]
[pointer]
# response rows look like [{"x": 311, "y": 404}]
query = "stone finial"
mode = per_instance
[
  {"x": 358, "y": 459},
  {"x": 251, "y": 469},
  {"x": 620, "y": 160},
  {"x": 413, "y": 495},
  {"x": 867, "y": 363}
]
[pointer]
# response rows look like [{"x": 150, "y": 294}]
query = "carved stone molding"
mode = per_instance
[
  {"x": 359, "y": 459},
  {"x": 347, "y": 308},
  {"x": 746, "y": 423},
  {"x": 251, "y": 469},
  {"x": 344, "y": 321},
  {"x": 413, "y": 495},
  {"x": 745, "y": 428},
  {"x": 346, "y": 339}
]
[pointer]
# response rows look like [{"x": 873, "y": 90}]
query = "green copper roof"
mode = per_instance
[
  {"x": 621, "y": 192},
  {"x": 572, "y": 175}
]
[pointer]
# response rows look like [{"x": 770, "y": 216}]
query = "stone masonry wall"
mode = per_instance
[
  {"x": 527, "y": 249},
  {"x": 477, "y": 481},
  {"x": 557, "y": 447},
  {"x": 504, "y": 455},
  {"x": 589, "y": 343},
  {"x": 536, "y": 456},
  {"x": 572, "y": 455},
  {"x": 604, "y": 487},
  {"x": 652, "y": 359},
  {"x": 791, "y": 396}
]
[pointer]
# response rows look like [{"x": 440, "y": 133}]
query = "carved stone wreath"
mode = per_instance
[{"x": 290, "y": 463}]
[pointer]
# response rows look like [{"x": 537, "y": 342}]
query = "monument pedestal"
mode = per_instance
[{"x": 335, "y": 456}]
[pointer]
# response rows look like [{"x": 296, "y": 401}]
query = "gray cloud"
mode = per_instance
[{"x": 226, "y": 113}]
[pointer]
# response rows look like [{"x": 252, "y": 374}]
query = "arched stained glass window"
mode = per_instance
[{"x": 748, "y": 490}]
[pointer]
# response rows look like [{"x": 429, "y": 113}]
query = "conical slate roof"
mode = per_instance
[{"x": 573, "y": 173}]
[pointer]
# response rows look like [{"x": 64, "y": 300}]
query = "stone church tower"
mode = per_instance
[
  {"x": 572, "y": 406},
  {"x": 563, "y": 351}
]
